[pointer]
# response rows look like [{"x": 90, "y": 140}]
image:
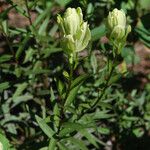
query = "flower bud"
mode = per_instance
[
  {"x": 116, "y": 17},
  {"x": 76, "y": 32},
  {"x": 116, "y": 25}
]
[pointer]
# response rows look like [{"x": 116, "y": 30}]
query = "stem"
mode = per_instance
[
  {"x": 104, "y": 89},
  {"x": 69, "y": 83},
  {"x": 102, "y": 93},
  {"x": 9, "y": 45},
  {"x": 30, "y": 21},
  {"x": 28, "y": 12},
  {"x": 67, "y": 93}
]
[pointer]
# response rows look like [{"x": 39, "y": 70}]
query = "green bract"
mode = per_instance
[
  {"x": 116, "y": 25},
  {"x": 76, "y": 32}
]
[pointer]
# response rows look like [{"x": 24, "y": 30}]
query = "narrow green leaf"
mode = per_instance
[
  {"x": 102, "y": 115},
  {"x": 52, "y": 98},
  {"x": 62, "y": 146},
  {"x": 78, "y": 143},
  {"x": 29, "y": 55},
  {"x": 22, "y": 46},
  {"x": 52, "y": 144},
  {"x": 4, "y": 143},
  {"x": 5, "y": 58},
  {"x": 92, "y": 139},
  {"x": 98, "y": 32},
  {"x": 60, "y": 87},
  {"x": 48, "y": 51},
  {"x": 20, "y": 99},
  {"x": 45, "y": 128},
  {"x": 20, "y": 88},
  {"x": 74, "y": 89},
  {"x": 70, "y": 127},
  {"x": 43, "y": 14},
  {"x": 43, "y": 27},
  {"x": 103, "y": 130},
  {"x": 93, "y": 62},
  {"x": 4, "y": 86},
  {"x": 78, "y": 80},
  {"x": 72, "y": 96},
  {"x": 56, "y": 115}
]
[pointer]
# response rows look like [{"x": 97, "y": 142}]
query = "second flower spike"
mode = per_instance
[
  {"x": 76, "y": 32},
  {"x": 117, "y": 30}
]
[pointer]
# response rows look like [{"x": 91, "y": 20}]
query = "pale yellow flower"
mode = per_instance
[{"x": 76, "y": 32}]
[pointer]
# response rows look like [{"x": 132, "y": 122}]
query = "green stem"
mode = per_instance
[
  {"x": 69, "y": 83},
  {"x": 66, "y": 96},
  {"x": 94, "y": 105},
  {"x": 104, "y": 89}
]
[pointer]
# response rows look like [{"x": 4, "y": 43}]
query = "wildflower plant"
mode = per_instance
[
  {"x": 75, "y": 36},
  {"x": 55, "y": 100}
]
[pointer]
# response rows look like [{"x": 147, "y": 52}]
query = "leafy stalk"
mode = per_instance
[{"x": 67, "y": 92}]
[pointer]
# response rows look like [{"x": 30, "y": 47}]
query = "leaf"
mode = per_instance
[
  {"x": 19, "y": 99},
  {"x": 70, "y": 127},
  {"x": 132, "y": 118},
  {"x": 138, "y": 132},
  {"x": 93, "y": 62},
  {"x": 3, "y": 86},
  {"x": 43, "y": 14},
  {"x": 102, "y": 115},
  {"x": 56, "y": 115},
  {"x": 11, "y": 128},
  {"x": 79, "y": 79},
  {"x": 143, "y": 31},
  {"x": 43, "y": 27},
  {"x": 45, "y": 128},
  {"x": 128, "y": 53},
  {"x": 78, "y": 143},
  {"x": 60, "y": 87},
  {"x": 5, "y": 58},
  {"x": 48, "y": 51},
  {"x": 52, "y": 144},
  {"x": 20, "y": 88},
  {"x": 62, "y": 146},
  {"x": 63, "y": 3},
  {"x": 4, "y": 143},
  {"x": 72, "y": 96},
  {"x": 98, "y": 32},
  {"x": 52, "y": 98},
  {"x": 144, "y": 4},
  {"x": 53, "y": 30},
  {"x": 22, "y": 46},
  {"x": 29, "y": 55},
  {"x": 74, "y": 89},
  {"x": 103, "y": 130},
  {"x": 90, "y": 137}
]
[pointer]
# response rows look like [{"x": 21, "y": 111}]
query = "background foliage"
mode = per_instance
[{"x": 33, "y": 77}]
